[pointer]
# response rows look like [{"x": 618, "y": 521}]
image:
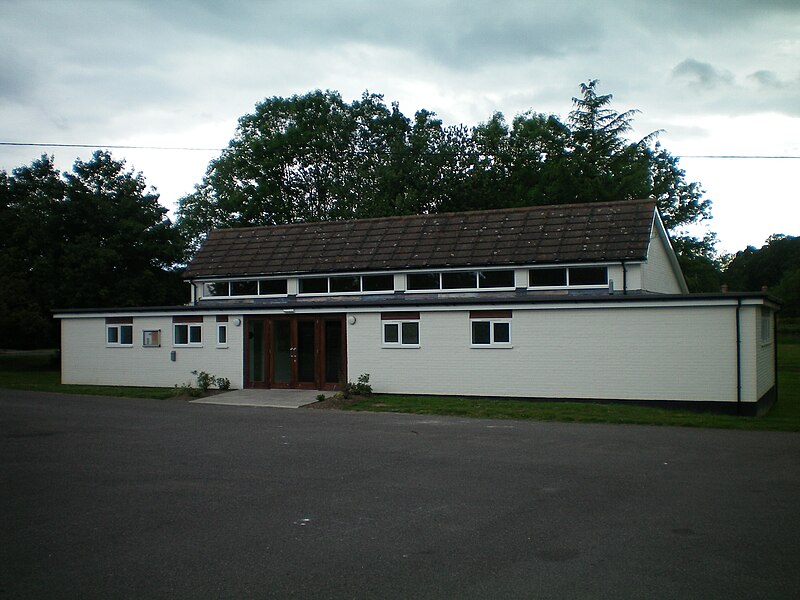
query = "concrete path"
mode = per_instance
[{"x": 271, "y": 398}]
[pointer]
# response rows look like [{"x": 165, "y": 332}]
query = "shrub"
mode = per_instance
[
  {"x": 204, "y": 380},
  {"x": 362, "y": 388}
]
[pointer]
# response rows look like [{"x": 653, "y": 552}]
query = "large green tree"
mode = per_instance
[
  {"x": 540, "y": 160},
  {"x": 90, "y": 238},
  {"x": 776, "y": 266},
  {"x": 316, "y": 157}
]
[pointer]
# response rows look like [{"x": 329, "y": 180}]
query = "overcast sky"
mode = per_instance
[{"x": 719, "y": 77}]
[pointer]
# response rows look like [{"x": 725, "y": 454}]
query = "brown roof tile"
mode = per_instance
[{"x": 600, "y": 231}]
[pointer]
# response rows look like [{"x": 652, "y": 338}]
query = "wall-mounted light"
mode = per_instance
[
  {"x": 351, "y": 319},
  {"x": 237, "y": 321}
]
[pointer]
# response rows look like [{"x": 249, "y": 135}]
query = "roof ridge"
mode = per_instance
[{"x": 444, "y": 214}]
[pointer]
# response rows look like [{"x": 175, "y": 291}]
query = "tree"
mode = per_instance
[
  {"x": 776, "y": 266},
  {"x": 315, "y": 157},
  {"x": 603, "y": 164},
  {"x": 119, "y": 247},
  {"x": 91, "y": 238},
  {"x": 29, "y": 253}
]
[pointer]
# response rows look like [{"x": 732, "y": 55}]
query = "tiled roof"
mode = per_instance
[{"x": 601, "y": 231}]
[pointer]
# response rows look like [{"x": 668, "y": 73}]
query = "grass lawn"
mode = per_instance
[
  {"x": 784, "y": 416},
  {"x": 38, "y": 371}
]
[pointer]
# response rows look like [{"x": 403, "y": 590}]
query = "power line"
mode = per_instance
[
  {"x": 189, "y": 149},
  {"x": 731, "y": 156},
  {"x": 43, "y": 145}
]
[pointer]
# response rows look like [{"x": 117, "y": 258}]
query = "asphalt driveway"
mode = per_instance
[{"x": 126, "y": 498}]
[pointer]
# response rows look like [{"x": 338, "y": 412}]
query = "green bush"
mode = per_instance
[
  {"x": 361, "y": 388},
  {"x": 206, "y": 380}
]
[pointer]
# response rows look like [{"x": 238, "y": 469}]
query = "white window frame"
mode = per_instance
[
  {"x": 425, "y": 290},
  {"x": 399, "y": 343},
  {"x": 328, "y": 292},
  {"x": 222, "y": 327},
  {"x": 441, "y": 274},
  {"x": 765, "y": 326},
  {"x": 205, "y": 295},
  {"x": 189, "y": 342},
  {"x": 568, "y": 284},
  {"x": 118, "y": 328},
  {"x": 492, "y": 343}
]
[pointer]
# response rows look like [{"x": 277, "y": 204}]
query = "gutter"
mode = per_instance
[{"x": 775, "y": 350}]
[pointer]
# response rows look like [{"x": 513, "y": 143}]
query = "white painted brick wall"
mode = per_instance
[
  {"x": 668, "y": 353},
  {"x": 87, "y": 360},
  {"x": 765, "y": 357},
  {"x": 657, "y": 273}
]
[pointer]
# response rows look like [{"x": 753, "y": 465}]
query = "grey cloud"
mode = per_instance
[
  {"x": 96, "y": 62},
  {"x": 767, "y": 79},
  {"x": 702, "y": 75},
  {"x": 14, "y": 84},
  {"x": 717, "y": 91},
  {"x": 456, "y": 34},
  {"x": 710, "y": 17}
]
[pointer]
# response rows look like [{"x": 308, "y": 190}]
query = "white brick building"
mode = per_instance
[{"x": 563, "y": 302}]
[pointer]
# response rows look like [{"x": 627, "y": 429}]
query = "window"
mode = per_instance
[
  {"x": 588, "y": 276},
  {"x": 401, "y": 333},
  {"x": 314, "y": 285},
  {"x": 219, "y": 288},
  {"x": 766, "y": 325},
  {"x": 400, "y": 330},
  {"x": 346, "y": 283},
  {"x": 490, "y": 328},
  {"x": 119, "y": 331},
  {"x": 188, "y": 331},
  {"x": 272, "y": 287},
  {"x": 422, "y": 281},
  {"x": 377, "y": 283},
  {"x": 250, "y": 287},
  {"x": 151, "y": 338},
  {"x": 188, "y": 335},
  {"x": 455, "y": 280},
  {"x": 460, "y": 280},
  {"x": 222, "y": 331},
  {"x": 547, "y": 277},
  {"x": 496, "y": 279},
  {"x": 244, "y": 288},
  {"x": 119, "y": 335},
  {"x": 568, "y": 276}
]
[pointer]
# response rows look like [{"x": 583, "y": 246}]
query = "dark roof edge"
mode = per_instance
[{"x": 413, "y": 300}]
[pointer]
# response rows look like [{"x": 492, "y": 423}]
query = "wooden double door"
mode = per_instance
[{"x": 295, "y": 352}]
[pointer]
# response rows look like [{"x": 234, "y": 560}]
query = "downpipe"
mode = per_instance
[{"x": 738, "y": 357}]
